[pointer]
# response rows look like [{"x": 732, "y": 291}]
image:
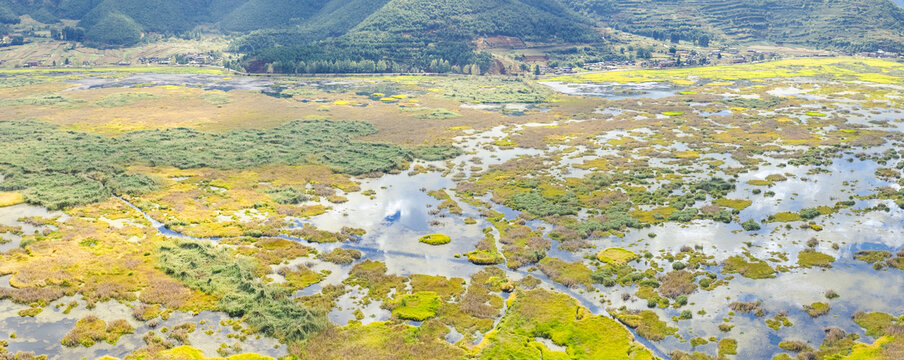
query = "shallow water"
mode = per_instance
[
  {"x": 42, "y": 333},
  {"x": 614, "y": 91},
  {"x": 201, "y": 81}
]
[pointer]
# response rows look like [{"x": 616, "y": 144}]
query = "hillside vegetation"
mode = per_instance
[
  {"x": 329, "y": 36},
  {"x": 846, "y": 24}
]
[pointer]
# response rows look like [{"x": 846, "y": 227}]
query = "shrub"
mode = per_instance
[
  {"x": 750, "y": 225},
  {"x": 86, "y": 332},
  {"x": 340, "y": 256},
  {"x": 755, "y": 307},
  {"x": 287, "y": 195},
  {"x": 817, "y": 309},
  {"x": 677, "y": 283}
]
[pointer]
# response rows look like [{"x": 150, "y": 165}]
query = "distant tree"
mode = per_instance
[
  {"x": 673, "y": 50},
  {"x": 703, "y": 41},
  {"x": 675, "y": 38},
  {"x": 114, "y": 29},
  {"x": 536, "y": 69},
  {"x": 72, "y": 34}
]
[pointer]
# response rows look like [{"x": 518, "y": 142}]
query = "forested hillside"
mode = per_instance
[
  {"x": 410, "y": 35},
  {"x": 853, "y": 25},
  {"x": 437, "y": 35},
  {"x": 541, "y": 20}
]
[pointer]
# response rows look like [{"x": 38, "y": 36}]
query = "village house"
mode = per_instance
[{"x": 878, "y": 54}]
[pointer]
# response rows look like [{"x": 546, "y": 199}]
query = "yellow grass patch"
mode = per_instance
[{"x": 11, "y": 198}]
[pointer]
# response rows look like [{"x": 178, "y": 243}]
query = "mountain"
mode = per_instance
[
  {"x": 539, "y": 20},
  {"x": 414, "y": 35},
  {"x": 841, "y": 24},
  {"x": 255, "y": 14},
  {"x": 409, "y": 35}
]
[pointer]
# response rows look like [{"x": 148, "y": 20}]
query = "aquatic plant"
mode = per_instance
[
  {"x": 810, "y": 258},
  {"x": 646, "y": 323},
  {"x": 557, "y": 317},
  {"x": 677, "y": 283},
  {"x": 57, "y": 169},
  {"x": 90, "y": 330},
  {"x": 419, "y": 306},
  {"x": 340, "y": 256},
  {"x": 265, "y": 308},
  {"x": 435, "y": 239},
  {"x": 565, "y": 273},
  {"x": 750, "y": 267}
]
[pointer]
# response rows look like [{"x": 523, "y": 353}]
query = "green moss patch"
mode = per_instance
[
  {"x": 646, "y": 323},
  {"x": 875, "y": 323},
  {"x": 785, "y": 217},
  {"x": 616, "y": 256},
  {"x": 734, "y": 204},
  {"x": 419, "y": 306},
  {"x": 810, "y": 258},
  {"x": 749, "y": 268},
  {"x": 188, "y": 352},
  {"x": 435, "y": 239},
  {"x": 778, "y": 321},
  {"x": 565, "y": 273},
  {"x": 817, "y": 309},
  {"x": 872, "y": 256},
  {"x": 91, "y": 329},
  {"x": 541, "y": 313},
  {"x": 757, "y": 182}
]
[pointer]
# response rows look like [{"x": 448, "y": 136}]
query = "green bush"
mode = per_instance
[
  {"x": 287, "y": 195},
  {"x": 750, "y": 225}
]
